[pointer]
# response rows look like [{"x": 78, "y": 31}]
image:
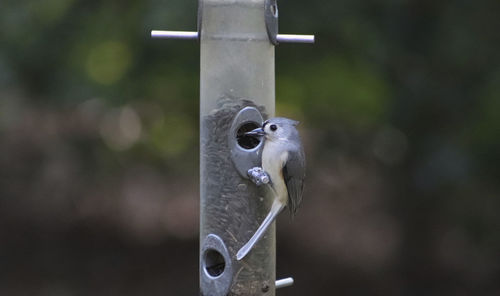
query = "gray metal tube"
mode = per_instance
[{"x": 236, "y": 92}]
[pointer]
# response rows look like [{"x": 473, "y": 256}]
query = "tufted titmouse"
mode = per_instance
[{"x": 284, "y": 161}]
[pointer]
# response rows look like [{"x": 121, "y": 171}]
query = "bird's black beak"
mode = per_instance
[{"x": 258, "y": 132}]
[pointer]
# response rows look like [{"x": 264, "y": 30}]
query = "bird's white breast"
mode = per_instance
[{"x": 273, "y": 160}]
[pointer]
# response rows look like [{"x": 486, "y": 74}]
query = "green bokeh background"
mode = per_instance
[{"x": 399, "y": 104}]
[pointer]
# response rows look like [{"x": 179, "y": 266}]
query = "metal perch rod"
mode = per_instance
[
  {"x": 284, "y": 283},
  {"x": 174, "y": 34},
  {"x": 190, "y": 35}
]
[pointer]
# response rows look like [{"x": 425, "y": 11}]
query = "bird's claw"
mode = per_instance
[{"x": 258, "y": 176}]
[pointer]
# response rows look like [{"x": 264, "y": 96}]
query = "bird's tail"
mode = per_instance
[{"x": 275, "y": 210}]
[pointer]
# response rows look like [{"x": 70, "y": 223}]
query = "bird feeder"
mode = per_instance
[{"x": 237, "y": 92}]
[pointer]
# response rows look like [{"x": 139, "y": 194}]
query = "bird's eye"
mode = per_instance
[{"x": 273, "y": 127}]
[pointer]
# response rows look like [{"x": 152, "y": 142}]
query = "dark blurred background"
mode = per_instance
[{"x": 99, "y": 148}]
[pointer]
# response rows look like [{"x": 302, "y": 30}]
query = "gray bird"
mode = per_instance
[{"x": 284, "y": 161}]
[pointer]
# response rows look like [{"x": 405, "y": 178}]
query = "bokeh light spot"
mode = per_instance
[
  {"x": 171, "y": 135},
  {"x": 108, "y": 62},
  {"x": 121, "y": 128}
]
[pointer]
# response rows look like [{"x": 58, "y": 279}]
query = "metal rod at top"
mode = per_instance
[
  {"x": 174, "y": 34},
  {"x": 289, "y": 38},
  {"x": 189, "y": 35}
]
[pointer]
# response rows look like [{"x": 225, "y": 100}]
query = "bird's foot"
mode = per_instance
[{"x": 258, "y": 176}]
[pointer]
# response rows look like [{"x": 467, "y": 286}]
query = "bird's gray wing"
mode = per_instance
[{"x": 294, "y": 173}]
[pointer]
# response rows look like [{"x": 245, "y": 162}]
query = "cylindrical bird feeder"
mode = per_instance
[
  {"x": 236, "y": 94},
  {"x": 237, "y": 39}
]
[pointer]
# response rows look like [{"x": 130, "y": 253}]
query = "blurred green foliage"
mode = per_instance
[{"x": 99, "y": 140}]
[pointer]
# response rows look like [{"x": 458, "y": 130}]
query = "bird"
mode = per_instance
[{"x": 283, "y": 159}]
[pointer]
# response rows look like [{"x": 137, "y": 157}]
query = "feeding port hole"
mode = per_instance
[
  {"x": 247, "y": 142},
  {"x": 214, "y": 263}
]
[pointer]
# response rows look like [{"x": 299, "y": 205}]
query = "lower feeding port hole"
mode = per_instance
[
  {"x": 216, "y": 268},
  {"x": 247, "y": 142},
  {"x": 214, "y": 263}
]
